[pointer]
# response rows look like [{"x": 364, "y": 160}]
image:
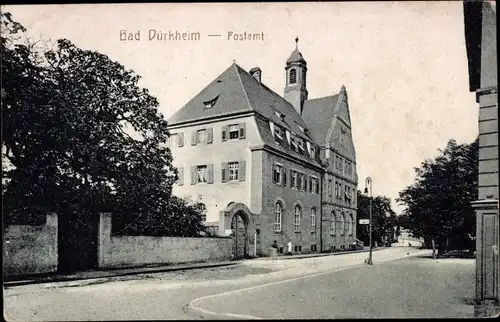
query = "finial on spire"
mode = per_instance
[{"x": 296, "y": 42}]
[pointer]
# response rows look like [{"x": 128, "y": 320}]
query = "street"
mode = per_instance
[{"x": 400, "y": 284}]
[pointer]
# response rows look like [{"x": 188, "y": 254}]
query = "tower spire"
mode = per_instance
[{"x": 297, "y": 43}]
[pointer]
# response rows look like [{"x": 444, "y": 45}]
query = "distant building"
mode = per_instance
[
  {"x": 266, "y": 167},
  {"x": 405, "y": 239},
  {"x": 481, "y": 45}
]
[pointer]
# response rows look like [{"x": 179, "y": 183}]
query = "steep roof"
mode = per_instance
[
  {"x": 296, "y": 57},
  {"x": 235, "y": 91},
  {"x": 318, "y": 114},
  {"x": 231, "y": 98}
]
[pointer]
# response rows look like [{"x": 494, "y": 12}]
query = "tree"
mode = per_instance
[
  {"x": 83, "y": 137},
  {"x": 383, "y": 219},
  {"x": 438, "y": 204}
]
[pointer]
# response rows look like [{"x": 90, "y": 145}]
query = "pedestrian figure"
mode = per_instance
[
  {"x": 274, "y": 250},
  {"x": 290, "y": 247}
]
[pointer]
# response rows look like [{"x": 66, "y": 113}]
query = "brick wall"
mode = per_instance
[
  {"x": 132, "y": 251},
  {"x": 30, "y": 249}
]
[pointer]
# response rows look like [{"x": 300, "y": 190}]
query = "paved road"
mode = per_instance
[
  {"x": 167, "y": 295},
  {"x": 410, "y": 288}
]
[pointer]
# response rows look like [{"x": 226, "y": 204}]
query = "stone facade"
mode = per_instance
[{"x": 272, "y": 163}]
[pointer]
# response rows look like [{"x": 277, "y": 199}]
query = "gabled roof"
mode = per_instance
[
  {"x": 231, "y": 99},
  {"x": 235, "y": 91},
  {"x": 318, "y": 115}
]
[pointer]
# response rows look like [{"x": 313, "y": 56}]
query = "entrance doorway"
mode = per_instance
[{"x": 239, "y": 227}]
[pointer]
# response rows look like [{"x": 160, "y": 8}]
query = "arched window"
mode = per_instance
[
  {"x": 313, "y": 218},
  {"x": 342, "y": 224},
  {"x": 278, "y": 215},
  {"x": 351, "y": 221},
  {"x": 202, "y": 209},
  {"x": 296, "y": 220},
  {"x": 292, "y": 77},
  {"x": 332, "y": 223}
]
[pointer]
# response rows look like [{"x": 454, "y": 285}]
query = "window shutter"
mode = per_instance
[
  {"x": 310, "y": 184},
  {"x": 180, "y": 139},
  {"x": 306, "y": 183},
  {"x": 284, "y": 176},
  {"x": 193, "y": 175},
  {"x": 242, "y": 130},
  {"x": 210, "y": 173},
  {"x": 241, "y": 171},
  {"x": 317, "y": 186},
  {"x": 225, "y": 130},
  {"x": 273, "y": 169},
  {"x": 291, "y": 179},
  {"x": 224, "y": 173},
  {"x": 193, "y": 138},
  {"x": 181, "y": 175},
  {"x": 210, "y": 135}
]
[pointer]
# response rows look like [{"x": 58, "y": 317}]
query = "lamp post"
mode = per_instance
[{"x": 368, "y": 183}]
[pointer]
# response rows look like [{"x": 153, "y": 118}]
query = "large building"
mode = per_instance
[
  {"x": 265, "y": 167},
  {"x": 481, "y": 44}
]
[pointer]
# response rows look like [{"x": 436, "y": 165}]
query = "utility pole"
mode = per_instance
[{"x": 368, "y": 183}]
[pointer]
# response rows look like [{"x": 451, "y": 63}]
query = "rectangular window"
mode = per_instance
[
  {"x": 336, "y": 190},
  {"x": 277, "y": 173},
  {"x": 202, "y": 173},
  {"x": 234, "y": 132},
  {"x": 329, "y": 187},
  {"x": 201, "y": 136},
  {"x": 293, "y": 179},
  {"x": 314, "y": 184},
  {"x": 233, "y": 170},
  {"x": 299, "y": 181}
]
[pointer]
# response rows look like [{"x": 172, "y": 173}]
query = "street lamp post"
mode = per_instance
[{"x": 368, "y": 183}]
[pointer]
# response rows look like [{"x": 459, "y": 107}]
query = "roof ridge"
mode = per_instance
[
  {"x": 324, "y": 97},
  {"x": 242, "y": 85}
]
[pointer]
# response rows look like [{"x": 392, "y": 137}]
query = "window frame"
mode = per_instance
[
  {"x": 313, "y": 219},
  {"x": 333, "y": 218},
  {"x": 297, "y": 214},
  {"x": 235, "y": 175},
  {"x": 278, "y": 217},
  {"x": 236, "y": 128},
  {"x": 292, "y": 76},
  {"x": 205, "y": 173}
]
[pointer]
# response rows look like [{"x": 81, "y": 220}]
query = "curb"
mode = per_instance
[
  {"x": 79, "y": 281},
  {"x": 328, "y": 254}
]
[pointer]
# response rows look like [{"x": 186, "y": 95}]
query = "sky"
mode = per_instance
[{"x": 404, "y": 64}]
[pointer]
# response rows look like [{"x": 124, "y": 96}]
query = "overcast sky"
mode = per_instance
[{"x": 403, "y": 63}]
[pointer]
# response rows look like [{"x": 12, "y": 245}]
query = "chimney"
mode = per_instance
[{"x": 256, "y": 73}]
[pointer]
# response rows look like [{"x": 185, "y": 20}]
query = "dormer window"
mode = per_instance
[
  {"x": 301, "y": 146},
  {"x": 278, "y": 136},
  {"x": 209, "y": 104}
]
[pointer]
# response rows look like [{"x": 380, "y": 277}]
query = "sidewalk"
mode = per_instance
[
  {"x": 95, "y": 276},
  {"x": 106, "y": 274}
]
